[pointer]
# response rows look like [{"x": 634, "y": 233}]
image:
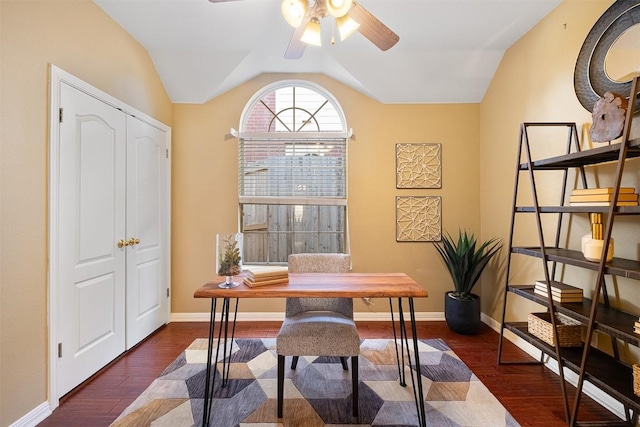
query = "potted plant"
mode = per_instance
[
  {"x": 465, "y": 263},
  {"x": 229, "y": 259}
]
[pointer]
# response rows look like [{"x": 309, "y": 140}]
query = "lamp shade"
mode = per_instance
[
  {"x": 311, "y": 34},
  {"x": 293, "y": 11},
  {"x": 346, "y": 26},
  {"x": 339, "y": 8}
]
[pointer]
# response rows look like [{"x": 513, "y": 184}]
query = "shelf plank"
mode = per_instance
[
  {"x": 607, "y": 153},
  {"x": 621, "y": 210},
  {"x": 617, "y": 267},
  {"x": 602, "y": 370},
  {"x": 616, "y": 323}
]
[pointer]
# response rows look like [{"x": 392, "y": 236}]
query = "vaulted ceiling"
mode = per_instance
[{"x": 448, "y": 51}]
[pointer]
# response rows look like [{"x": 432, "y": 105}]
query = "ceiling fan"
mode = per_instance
[{"x": 349, "y": 16}]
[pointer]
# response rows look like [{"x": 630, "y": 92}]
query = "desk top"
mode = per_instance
[{"x": 322, "y": 285}]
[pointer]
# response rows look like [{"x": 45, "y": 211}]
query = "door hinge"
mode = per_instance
[
  {"x": 59, "y": 349},
  {"x": 167, "y": 153},
  {"x": 167, "y": 292},
  {"x": 60, "y": 114}
]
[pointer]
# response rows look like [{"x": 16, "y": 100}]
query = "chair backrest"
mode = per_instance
[{"x": 319, "y": 263}]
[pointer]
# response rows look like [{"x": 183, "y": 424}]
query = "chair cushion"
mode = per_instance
[
  {"x": 343, "y": 306},
  {"x": 319, "y": 263},
  {"x": 318, "y": 333}
]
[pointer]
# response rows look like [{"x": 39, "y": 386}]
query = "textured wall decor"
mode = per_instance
[
  {"x": 418, "y": 165},
  {"x": 418, "y": 219}
]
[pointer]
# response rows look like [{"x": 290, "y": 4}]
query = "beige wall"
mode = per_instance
[
  {"x": 535, "y": 83},
  {"x": 78, "y": 37},
  {"x": 205, "y": 186}
]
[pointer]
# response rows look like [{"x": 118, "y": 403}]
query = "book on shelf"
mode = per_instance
[
  {"x": 267, "y": 272},
  {"x": 636, "y": 324},
  {"x": 559, "y": 298},
  {"x": 636, "y": 330},
  {"x": 622, "y": 197},
  {"x": 265, "y": 282},
  {"x": 543, "y": 292},
  {"x": 558, "y": 287},
  {"x": 601, "y": 190},
  {"x": 603, "y": 203}
]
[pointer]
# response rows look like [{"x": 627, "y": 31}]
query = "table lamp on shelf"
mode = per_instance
[{"x": 229, "y": 260}]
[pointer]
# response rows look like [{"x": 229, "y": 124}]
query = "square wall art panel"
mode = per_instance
[
  {"x": 418, "y": 165},
  {"x": 418, "y": 219}
]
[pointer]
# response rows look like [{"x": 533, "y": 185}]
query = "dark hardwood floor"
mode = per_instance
[{"x": 531, "y": 393}]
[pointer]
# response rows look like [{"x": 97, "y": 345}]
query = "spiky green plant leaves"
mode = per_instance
[{"x": 464, "y": 262}]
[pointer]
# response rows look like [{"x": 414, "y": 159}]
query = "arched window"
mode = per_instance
[{"x": 293, "y": 173}]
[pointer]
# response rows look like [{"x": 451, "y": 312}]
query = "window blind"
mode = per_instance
[{"x": 293, "y": 170}]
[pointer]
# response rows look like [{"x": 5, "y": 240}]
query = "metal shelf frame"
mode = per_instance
[{"x": 591, "y": 364}]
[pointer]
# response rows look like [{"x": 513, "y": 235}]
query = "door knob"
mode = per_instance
[
  {"x": 122, "y": 243},
  {"x": 132, "y": 241}
]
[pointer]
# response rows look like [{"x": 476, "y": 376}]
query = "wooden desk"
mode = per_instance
[
  {"x": 321, "y": 285},
  {"x": 325, "y": 285}
]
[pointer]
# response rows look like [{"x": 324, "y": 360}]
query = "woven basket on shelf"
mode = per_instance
[
  {"x": 569, "y": 330},
  {"x": 636, "y": 379}
]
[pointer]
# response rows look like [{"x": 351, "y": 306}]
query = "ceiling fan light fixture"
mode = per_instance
[
  {"x": 311, "y": 34},
  {"x": 338, "y": 8},
  {"x": 346, "y": 26},
  {"x": 293, "y": 11}
]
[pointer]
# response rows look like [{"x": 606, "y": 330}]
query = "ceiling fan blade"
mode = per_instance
[
  {"x": 295, "y": 50},
  {"x": 371, "y": 27}
]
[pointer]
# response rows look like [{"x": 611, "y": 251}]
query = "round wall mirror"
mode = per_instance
[
  {"x": 594, "y": 73},
  {"x": 623, "y": 58}
]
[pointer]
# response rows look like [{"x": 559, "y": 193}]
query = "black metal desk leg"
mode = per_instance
[
  {"x": 223, "y": 335},
  {"x": 206, "y": 409},
  {"x": 422, "y": 414},
  {"x": 395, "y": 345},
  {"x": 226, "y": 362},
  {"x": 404, "y": 337}
]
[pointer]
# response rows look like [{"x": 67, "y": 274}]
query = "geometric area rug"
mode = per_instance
[{"x": 318, "y": 392}]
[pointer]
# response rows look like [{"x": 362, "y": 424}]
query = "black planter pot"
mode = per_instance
[{"x": 462, "y": 316}]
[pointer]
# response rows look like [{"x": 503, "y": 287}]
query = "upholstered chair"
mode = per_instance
[{"x": 318, "y": 326}]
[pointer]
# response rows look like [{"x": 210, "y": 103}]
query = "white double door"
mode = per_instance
[{"x": 112, "y": 234}]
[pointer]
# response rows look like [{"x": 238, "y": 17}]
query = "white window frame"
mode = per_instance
[{"x": 343, "y": 134}]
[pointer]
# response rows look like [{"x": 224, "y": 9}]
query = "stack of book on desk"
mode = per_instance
[
  {"x": 603, "y": 197},
  {"x": 268, "y": 275},
  {"x": 560, "y": 292}
]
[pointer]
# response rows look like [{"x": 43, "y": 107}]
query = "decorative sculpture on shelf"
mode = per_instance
[
  {"x": 608, "y": 117},
  {"x": 592, "y": 243}
]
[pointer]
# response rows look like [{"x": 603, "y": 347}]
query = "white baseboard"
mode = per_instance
[
  {"x": 603, "y": 398},
  {"x": 242, "y": 317},
  {"x": 34, "y": 417},
  {"x": 385, "y": 317},
  {"x": 279, "y": 317},
  {"x": 519, "y": 342}
]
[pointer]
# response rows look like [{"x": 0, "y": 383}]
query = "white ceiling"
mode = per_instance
[{"x": 447, "y": 53}]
